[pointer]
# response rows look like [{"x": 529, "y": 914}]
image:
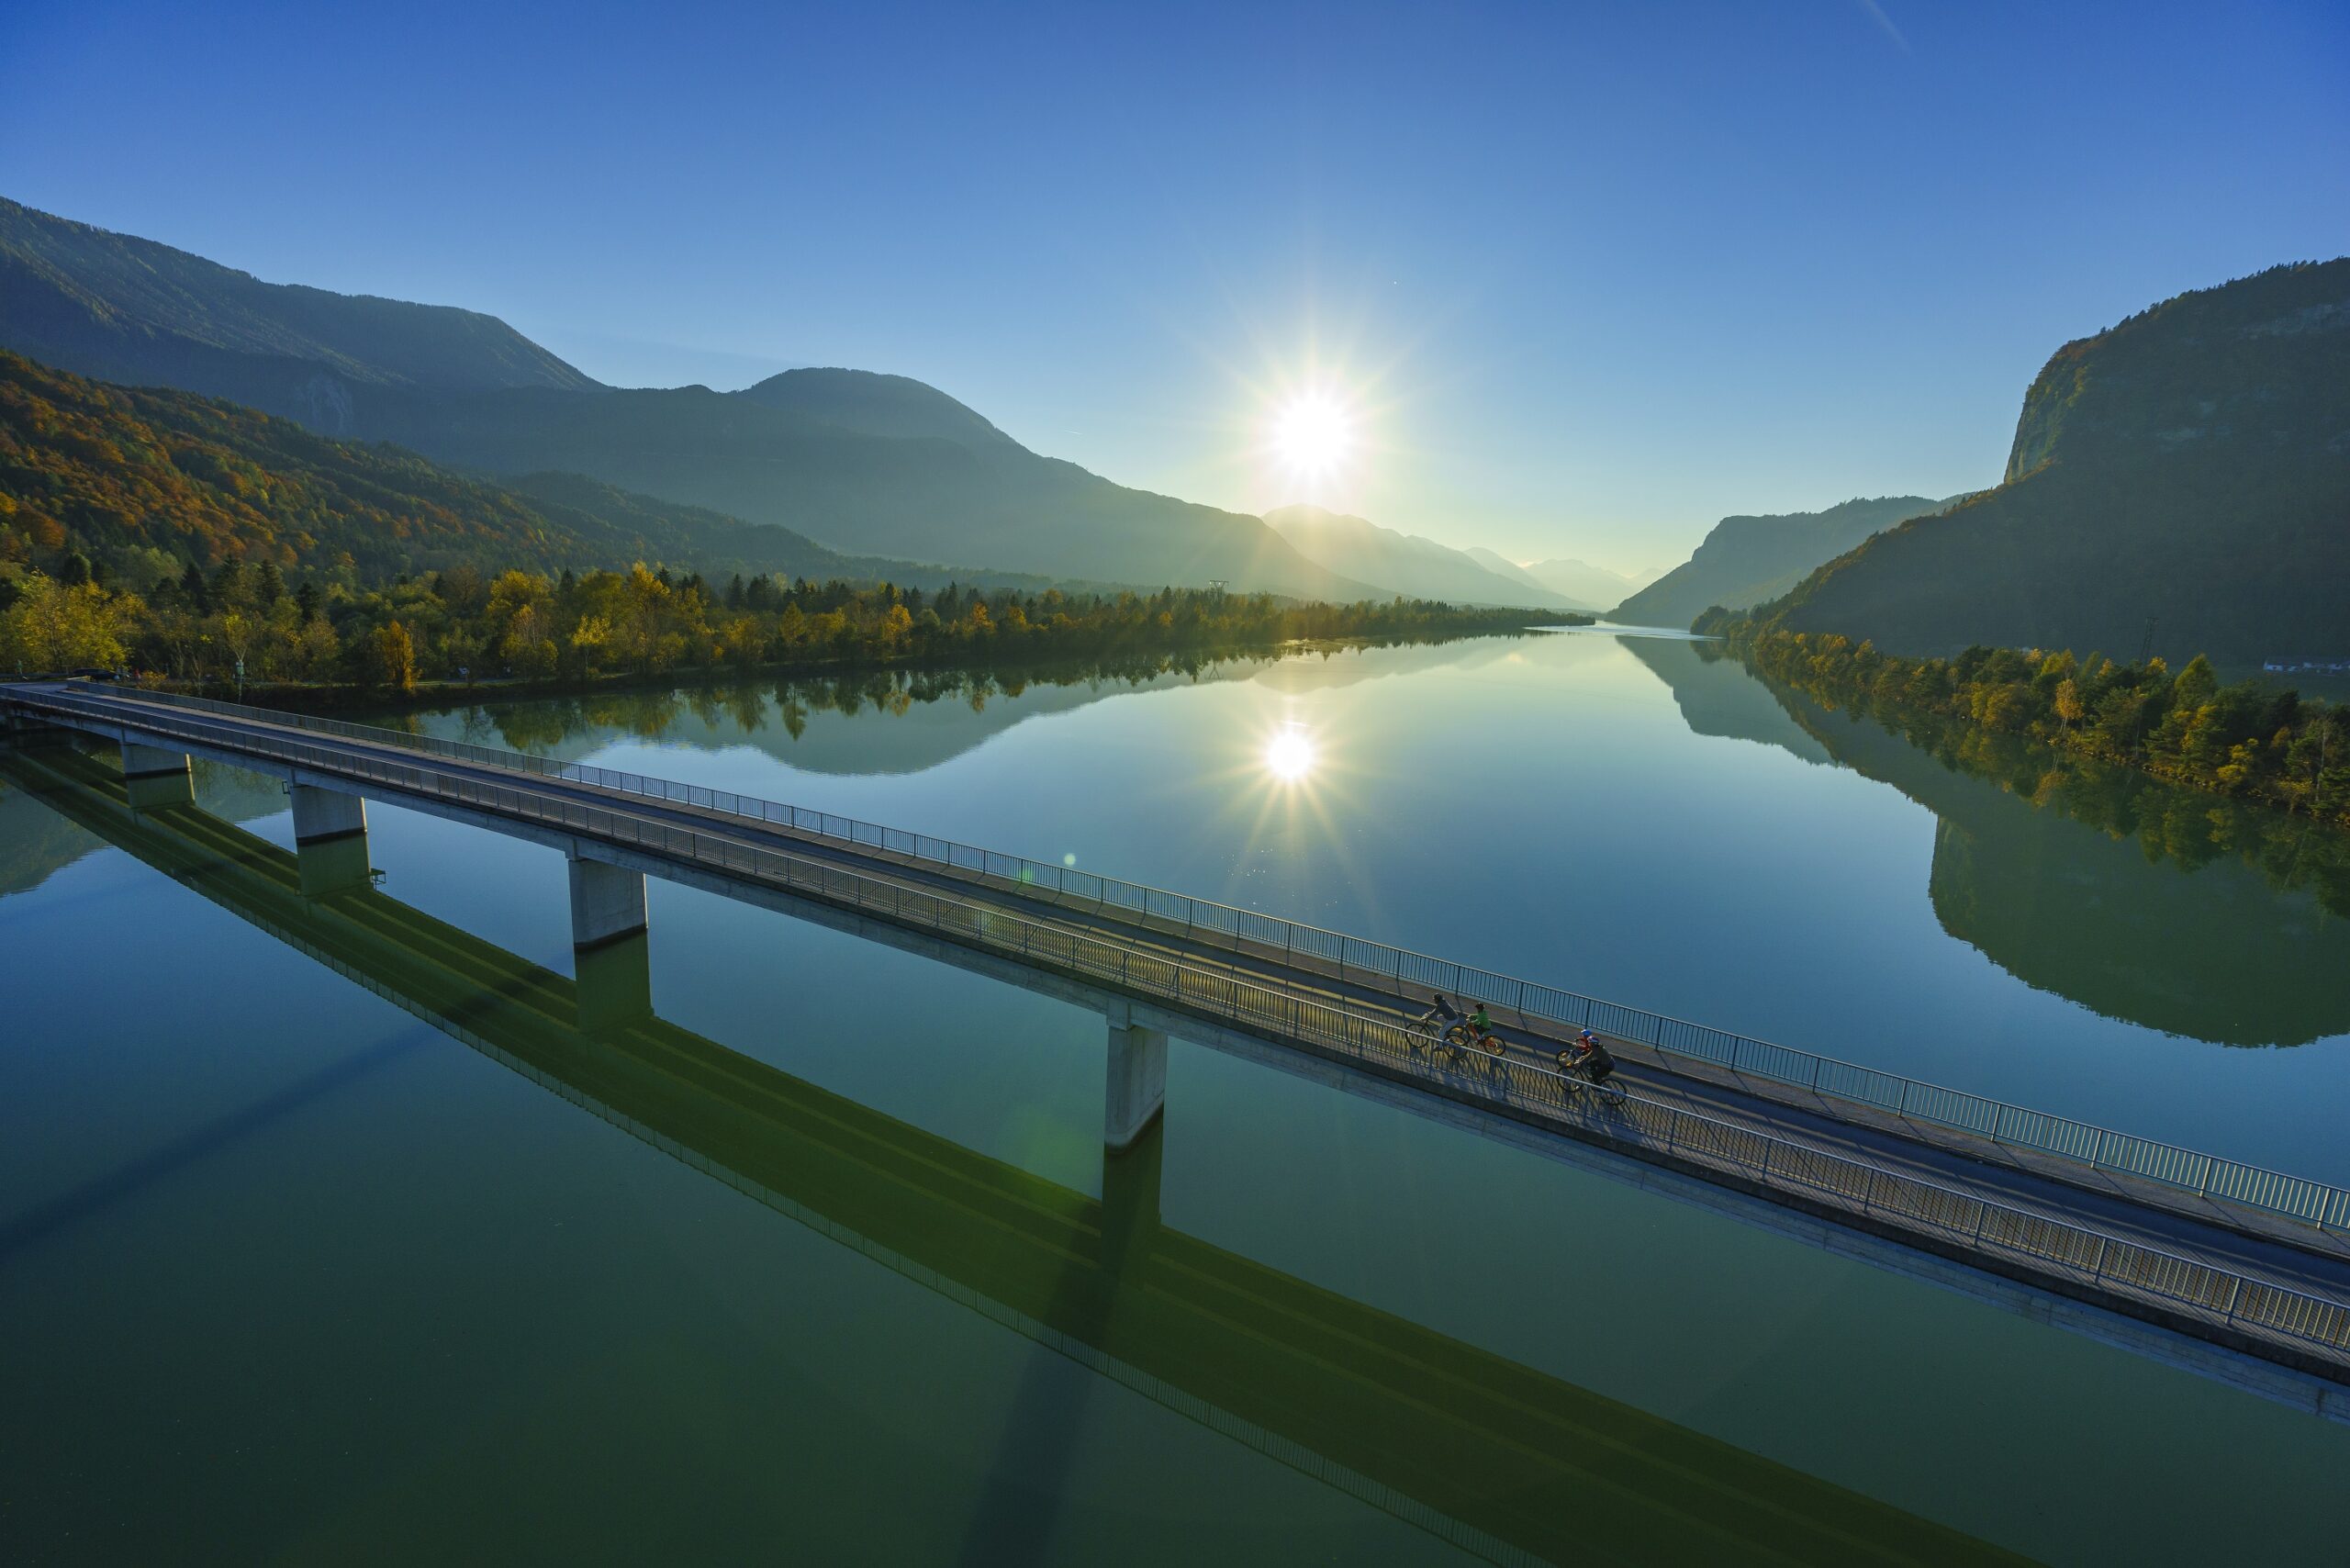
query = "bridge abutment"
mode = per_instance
[
  {"x": 1136, "y": 1088},
  {"x": 153, "y": 776}
]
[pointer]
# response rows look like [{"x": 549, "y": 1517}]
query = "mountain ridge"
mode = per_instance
[
  {"x": 861, "y": 463},
  {"x": 2180, "y": 481},
  {"x": 1746, "y": 560},
  {"x": 142, "y": 482}
]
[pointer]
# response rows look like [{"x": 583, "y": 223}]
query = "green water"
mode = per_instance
[{"x": 823, "y": 1264}]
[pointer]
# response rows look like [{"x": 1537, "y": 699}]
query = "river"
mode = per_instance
[{"x": 287, "y": 1271}]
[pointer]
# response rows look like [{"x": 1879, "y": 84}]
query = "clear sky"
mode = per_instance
[{"x": 1584, "y": 278}]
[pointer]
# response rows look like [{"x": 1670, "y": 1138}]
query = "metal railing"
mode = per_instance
[
  {"x": 2206, "y": 1175},
  {"x": 2198, "y": 1290}
]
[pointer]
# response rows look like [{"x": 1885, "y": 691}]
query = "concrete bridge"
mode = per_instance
[
  {"x": 1501, "y": 1460},
  {"x": 2174, "y": 1244}
]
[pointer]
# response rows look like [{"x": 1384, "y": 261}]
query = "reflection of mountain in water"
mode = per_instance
[
  {"x": 900, "y": 721},
  {"x": 2136, "y": 899}
]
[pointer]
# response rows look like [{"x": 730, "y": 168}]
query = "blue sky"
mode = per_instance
[{"x": 1587, "y": 278}]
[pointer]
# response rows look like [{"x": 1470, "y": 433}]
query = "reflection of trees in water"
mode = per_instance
[
  {"x": 2171, "y": 824},
  {"x": 2163, "y": 906},
  {"x": 543, "y": 724}
]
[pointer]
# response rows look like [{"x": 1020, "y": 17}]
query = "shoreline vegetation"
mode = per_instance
[
  {"x": 456, "y": 634},
  {"x": 2247, "y": 742}
]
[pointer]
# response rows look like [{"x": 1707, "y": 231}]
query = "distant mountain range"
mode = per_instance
[
  {"x": 868, "y": 465},
  {"x": 143, "y": 481},
  {"x": 1405, "y": 563},
  {"x": 1586, "y": 584},
  {"x": 2181, "y": 481},
  {"x": 1745, "y": 560}
]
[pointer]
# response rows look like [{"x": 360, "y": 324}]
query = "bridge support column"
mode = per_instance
[
  {"x": 607, "y": 903},
  {"x": 610, "y": 948},
  {"x": 1137, "y": 1081},
  {"x": 330, "y": 841},
  {"x": 153, "y": 776}
]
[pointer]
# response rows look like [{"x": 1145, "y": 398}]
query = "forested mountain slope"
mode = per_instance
[
  {"x": 2183, "y": 476},
  {"x": 143, "y": 483},
  {"x": 118, "y": 307},
  {"x": 867, "y": 463}
]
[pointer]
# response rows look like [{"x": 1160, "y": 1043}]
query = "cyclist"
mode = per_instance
[
  {"x": 1585, "y": 1055},
  {"x": 1480, "y": 1020},
  {"x": 1441, "y": 1012}
]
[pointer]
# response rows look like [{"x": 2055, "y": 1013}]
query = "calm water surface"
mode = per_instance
[{"x": 287, "y": 1272}]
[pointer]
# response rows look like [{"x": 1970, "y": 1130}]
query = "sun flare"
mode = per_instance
[{"x": 1313, "y": 433}]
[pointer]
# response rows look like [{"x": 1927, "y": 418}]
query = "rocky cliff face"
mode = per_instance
[{"x": 2183, "y": 476}]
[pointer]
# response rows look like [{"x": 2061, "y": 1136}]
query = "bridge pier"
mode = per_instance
[
  {"x": 1136, "y": 1088},
  {"x": 329, "y": 841},
  {"x": 153, "y": 776},
  {"x": 611, "y": 947},
  {"x": 607, "y": 903}
]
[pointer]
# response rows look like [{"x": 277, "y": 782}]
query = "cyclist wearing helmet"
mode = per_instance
[{"x": 1585, "y": 1055}]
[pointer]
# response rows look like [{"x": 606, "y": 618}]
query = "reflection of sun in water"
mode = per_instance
[{"x": 1289, "y": 756}]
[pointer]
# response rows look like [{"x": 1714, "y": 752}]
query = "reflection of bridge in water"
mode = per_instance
[
  {"x": 2208, "y": 1248},
  {"x": 1497, "y": 1458}
]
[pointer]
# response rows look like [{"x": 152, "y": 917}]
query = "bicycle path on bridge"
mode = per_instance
[{"x": 2265, "y": 1248}]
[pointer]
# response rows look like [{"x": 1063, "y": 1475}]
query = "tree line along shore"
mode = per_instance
[
  {"x": 2249, "y": 740},
  {"x": 249, "y": 624}
]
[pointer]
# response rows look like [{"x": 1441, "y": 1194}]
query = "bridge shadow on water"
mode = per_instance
[{"x": 1497, "y": 1458}]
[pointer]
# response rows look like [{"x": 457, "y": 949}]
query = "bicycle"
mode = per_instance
[{"x": 1580, "y": 1075}]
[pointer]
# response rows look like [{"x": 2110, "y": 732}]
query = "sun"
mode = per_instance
[{"x": 1313, "y": 433}]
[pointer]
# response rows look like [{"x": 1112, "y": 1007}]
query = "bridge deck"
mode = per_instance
[{"x": 2257, "y": 1282}]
